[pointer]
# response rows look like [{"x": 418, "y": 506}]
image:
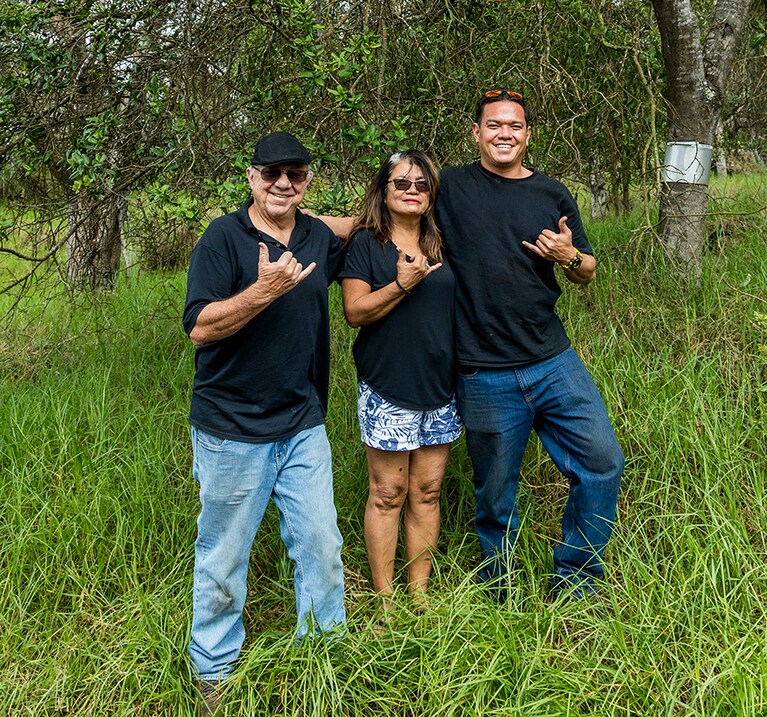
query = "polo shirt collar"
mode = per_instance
[{"x": 300, "y": 230}]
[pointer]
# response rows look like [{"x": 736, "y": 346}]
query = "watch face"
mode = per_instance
[{"x": 576, "y": 261}]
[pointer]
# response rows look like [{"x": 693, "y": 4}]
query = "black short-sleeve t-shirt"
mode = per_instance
[
  {"x": 269, "y": 380},
  {"x": 505, "y": 293},
  {"x": 408, "y": 356}
]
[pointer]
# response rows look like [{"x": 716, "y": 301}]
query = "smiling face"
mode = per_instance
[
  {"x": 502, "y": 135},
  {"x": 278, "y": 199},
  {"x": 407, "y": 202}
]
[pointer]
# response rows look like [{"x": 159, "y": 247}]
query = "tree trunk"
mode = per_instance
[
  {"x": 94, "y": 241},
  {"x": 598, "y": 193},
  {"x": 696, "y": 77},
  {"x": 683, "y": 222},
  {"x": 719, "y": 152},
  {"x": 127, "y": 252}
]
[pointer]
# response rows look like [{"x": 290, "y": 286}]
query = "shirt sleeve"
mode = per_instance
[
  {"x": 358, "y": 260},
  {"x": 210, "y": 278},
  {"x": 336, "y": 257}
]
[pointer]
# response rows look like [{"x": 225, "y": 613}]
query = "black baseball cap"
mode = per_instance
[{"x": 279, "y": 148}]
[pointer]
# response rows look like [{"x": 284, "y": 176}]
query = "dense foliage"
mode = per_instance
[{"x": 122, "y": 124}]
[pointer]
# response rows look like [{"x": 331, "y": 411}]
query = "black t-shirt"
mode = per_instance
[
  {"x": 269, "y": 380},
  {"x": 408, "y": 356},
  {"x": 505, "y": 293}
]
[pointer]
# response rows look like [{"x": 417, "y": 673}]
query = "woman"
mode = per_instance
[{"x": 399, "y": 290}]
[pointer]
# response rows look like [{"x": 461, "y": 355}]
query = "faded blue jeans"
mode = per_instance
[
  {"x": 558, "y": 399},
  {"x": 237, "y": 480}
]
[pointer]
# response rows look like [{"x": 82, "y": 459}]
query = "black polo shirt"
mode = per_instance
[
  {"x": 505, "y": 293},
  {"x": 407, "y": 356},
  {"x": 269, "y": 380}
]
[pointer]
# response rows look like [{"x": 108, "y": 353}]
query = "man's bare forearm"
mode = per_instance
[
  {"x": 340, "y": 226},
  {"x": 221, "y": 319}
]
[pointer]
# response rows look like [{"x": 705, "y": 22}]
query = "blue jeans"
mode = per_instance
[
  {"x": 558, "y": 398},
  {"x": 237, "y": 480}
]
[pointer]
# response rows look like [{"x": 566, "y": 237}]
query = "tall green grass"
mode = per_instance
[{"x": 98, "y": 517}]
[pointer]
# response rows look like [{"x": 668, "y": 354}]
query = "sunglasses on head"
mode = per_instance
[
  {"x": 271, "y": 174},
  {"x": 492, "y": 94},
  {"x": 404, "y": 184}
]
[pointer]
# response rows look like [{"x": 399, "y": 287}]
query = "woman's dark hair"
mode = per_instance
[{"x": 375, "y": 216}]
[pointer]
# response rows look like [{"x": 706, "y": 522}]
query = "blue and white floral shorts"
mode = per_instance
[{"x": 390, "y": 428}]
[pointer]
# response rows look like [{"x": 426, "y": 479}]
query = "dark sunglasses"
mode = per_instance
[
  {"x": 492, "y": 94},
  {"x": 404, "y": 184},
  {"x": 271, "y": 174}
]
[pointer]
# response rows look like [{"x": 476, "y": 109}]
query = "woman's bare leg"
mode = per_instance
[
  {"x": 427, "y": 468},
  {"x": 388, "y": 473}
]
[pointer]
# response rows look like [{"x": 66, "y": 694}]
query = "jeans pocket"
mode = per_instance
[
  {"x": 209, "y": 442},
  {"x": 467, "y": 373}
]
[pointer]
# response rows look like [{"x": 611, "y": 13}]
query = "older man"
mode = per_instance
[{"x": 257, "y": 310}]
